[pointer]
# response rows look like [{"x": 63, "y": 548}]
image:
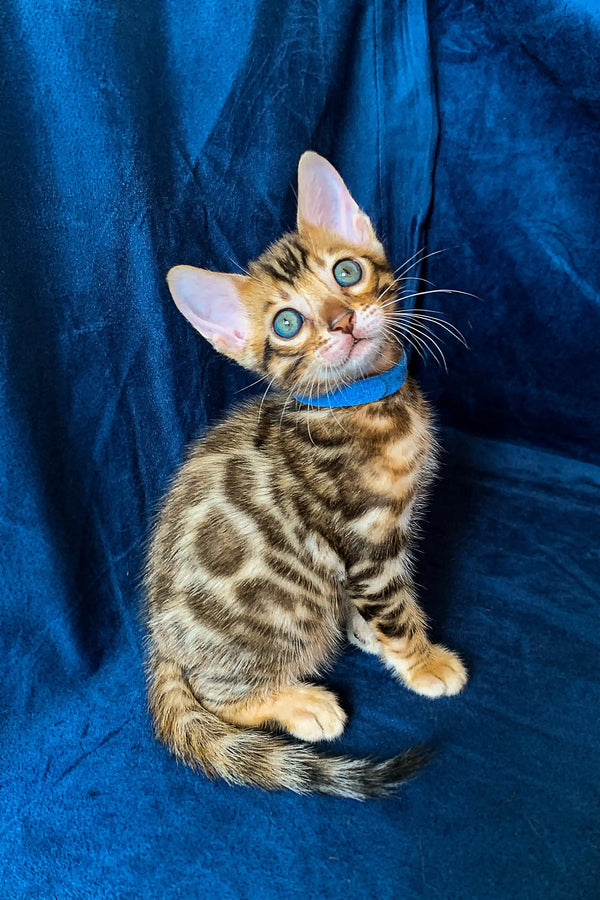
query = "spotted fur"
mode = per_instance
[{"x": 288, "y": 529}]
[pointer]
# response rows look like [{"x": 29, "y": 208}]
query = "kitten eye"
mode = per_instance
[
  {"x": 347, "y": 272},
  {"x": 287, "y": 323}
]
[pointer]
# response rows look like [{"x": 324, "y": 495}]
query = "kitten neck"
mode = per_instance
[{"x": 367, "y": 390}]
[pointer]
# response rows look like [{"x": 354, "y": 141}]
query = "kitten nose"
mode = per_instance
[{"x": 343, "y": 322}]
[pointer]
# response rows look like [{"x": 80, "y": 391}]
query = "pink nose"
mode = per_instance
[{"x": 344, "y": 322}]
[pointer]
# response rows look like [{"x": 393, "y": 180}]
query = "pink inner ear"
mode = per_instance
[
  {"x": 211, "y": 302},
  {"x": 324, "y": 201}
]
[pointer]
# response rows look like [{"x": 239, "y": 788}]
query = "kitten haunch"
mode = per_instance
[{"x": 290, "y": 526}]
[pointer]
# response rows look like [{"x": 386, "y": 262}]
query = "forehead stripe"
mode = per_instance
[
  {"x": 277, "y": 273},
  {"x": 286, "y": 261},
  {"x": 290, "y": 262}
]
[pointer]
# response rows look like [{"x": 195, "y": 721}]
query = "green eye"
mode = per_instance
[
  {"x": 287, "y": 323},
  {"x": 347, "y": 272}
]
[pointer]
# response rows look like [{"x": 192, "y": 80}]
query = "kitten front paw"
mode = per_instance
[{"x": 438, "y": 672}]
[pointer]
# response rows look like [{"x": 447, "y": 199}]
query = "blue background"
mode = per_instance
[{"x": 138, "y": 135}]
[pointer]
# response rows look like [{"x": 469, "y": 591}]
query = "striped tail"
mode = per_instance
[{"x": 248, "y": 756}]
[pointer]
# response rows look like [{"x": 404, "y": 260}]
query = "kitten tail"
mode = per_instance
[{"x": 247, "y": 756}]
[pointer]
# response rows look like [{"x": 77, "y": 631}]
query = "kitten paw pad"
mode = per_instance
[{"x": 440, "y": 673}]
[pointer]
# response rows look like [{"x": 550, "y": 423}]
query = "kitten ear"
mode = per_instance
[
  {"x": 211, "y": 302},
  {"x": 324, "y": 201}
]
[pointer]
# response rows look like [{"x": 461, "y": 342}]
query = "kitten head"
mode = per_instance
[{"x": 315, "y": 310}]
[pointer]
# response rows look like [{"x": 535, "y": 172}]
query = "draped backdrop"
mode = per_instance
[{"x": 140, "y": 134}]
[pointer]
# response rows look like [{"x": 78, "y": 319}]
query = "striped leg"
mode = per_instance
[{"x": 384, "y": 597}]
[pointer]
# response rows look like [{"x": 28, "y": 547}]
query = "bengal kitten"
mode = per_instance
[{"x": 291, "y": 523}]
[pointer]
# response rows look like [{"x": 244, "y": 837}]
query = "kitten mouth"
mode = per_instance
[
  {"x": 361, "y": 349},
  {"x": 353, "y": 348},
  {"x": 368, "y": 356},
  {"x": 361, "y": 359}
]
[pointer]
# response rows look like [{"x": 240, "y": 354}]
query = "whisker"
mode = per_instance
[
  {"x": 430, "y": 350},
  {"x": 423, "y": 330},
  {"x": 296, "y": 385},
  {"x": 425, "y": 309},
  {"x": 402, "y": 268},
  {"x": 252, "y": 384},
  {"x": 236, "y": 263},
  {"x": 407, "y": 316},
  {"x": 287, "y": 400},
  {"x": 422, "y": 258},
  {"x": 263, "y": 397},
  {"x": 425, "y": 337},
  {"x": 412, "y": 341},
  {"x": 425, "y": 340},
  {"x": 435, "y": 291},
  {"x": 335, "y": 386},
  {"x": 399, "y": 275},
  {"x": 308, "y": 410},
  {"x": 401, "y": 278},
  {"x": 388, "y": 288}
]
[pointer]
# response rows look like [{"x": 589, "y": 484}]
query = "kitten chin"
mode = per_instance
[
  {"x": 366, "y": 357},
  {"x": 370, "y": 356}
]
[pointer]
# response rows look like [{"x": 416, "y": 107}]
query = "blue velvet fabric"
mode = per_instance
[{"x": 142, "y": 134}]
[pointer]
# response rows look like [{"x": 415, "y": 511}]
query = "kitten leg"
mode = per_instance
[
  {"x": 308, "y": 712},
  {"x": 398, "y": 625},
  {"x": 360, "y": 632}
]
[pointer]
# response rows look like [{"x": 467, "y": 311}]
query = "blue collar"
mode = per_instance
[{"x": 365, "y": 391}]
